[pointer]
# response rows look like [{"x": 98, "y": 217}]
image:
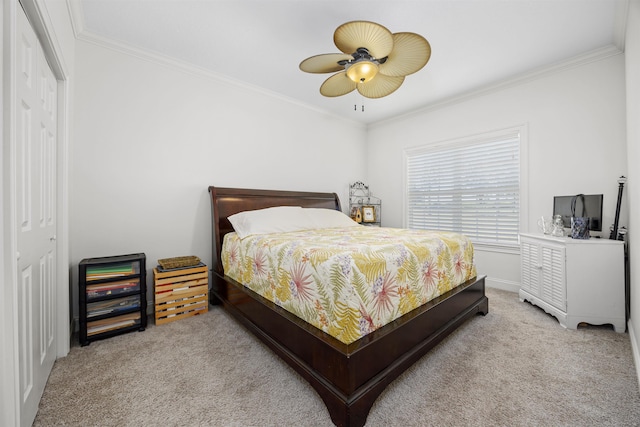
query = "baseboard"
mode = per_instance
[
  {"x": 505, "y": 285},
  {"x": 635, "y": 351}
]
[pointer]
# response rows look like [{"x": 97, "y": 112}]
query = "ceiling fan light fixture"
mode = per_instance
[
  {"x": 362, "y": 71},
  {"x": 374, "y": 59}
]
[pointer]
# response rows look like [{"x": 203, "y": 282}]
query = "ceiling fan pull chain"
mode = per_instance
[{"x": 360, "y": 99}]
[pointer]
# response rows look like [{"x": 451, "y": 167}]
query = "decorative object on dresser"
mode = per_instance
[
  {"x": 545, "y": 225},
  {"x": 366, "y": 208},
  {"x": 112, "y": 296},
  {"x": 182, "y": 291},
  {"x": 579, "y": 224},
  {"x": 557, "y": 228},
  {"x": 576, "y": 281},
  {"x": 348, "y": 377}
]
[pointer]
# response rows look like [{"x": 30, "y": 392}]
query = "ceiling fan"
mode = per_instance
[{"x": 374, "y": 60}]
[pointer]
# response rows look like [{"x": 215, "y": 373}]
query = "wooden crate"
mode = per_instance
[{"x": 181, "y": 293}]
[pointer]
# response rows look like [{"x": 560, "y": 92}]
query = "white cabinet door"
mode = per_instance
[
  {"x": 543, "y": 272},
  {"x": 530, "y": 267},
  {"x": 553, "y": 287}
]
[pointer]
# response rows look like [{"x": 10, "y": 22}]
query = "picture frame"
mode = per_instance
[
  {"x": 354, "y": 213},
  {"x": 368, "y": 214}
]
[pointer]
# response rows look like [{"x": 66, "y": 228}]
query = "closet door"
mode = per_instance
[{"x": 35, "y": 189}]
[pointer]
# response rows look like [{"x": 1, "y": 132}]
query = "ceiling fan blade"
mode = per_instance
[
  {"x": 374, "y": 37},
  {"x": 380, "y": 86},
  {"x": 410, "y": 53},
  {"x": 337, "y": 85},
  {"x": 325, "y": 63}
]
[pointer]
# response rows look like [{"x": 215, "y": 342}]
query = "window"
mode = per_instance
[{"x": 471, "y": 186}]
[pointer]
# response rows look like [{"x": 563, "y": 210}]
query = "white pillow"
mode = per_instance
[
  {"x": 329, "y": 218},
  {"x": 282, "y": 219},
  {"x": 278, "y": 219}
]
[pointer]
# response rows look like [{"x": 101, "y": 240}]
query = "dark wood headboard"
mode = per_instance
[{"x": 228, "y": 201}]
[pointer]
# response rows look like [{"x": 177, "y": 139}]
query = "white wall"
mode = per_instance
[
  {"x": 150, "y": 139},
  {"x": 632, "y": 56},
  {"x": 576, "y": 143}
]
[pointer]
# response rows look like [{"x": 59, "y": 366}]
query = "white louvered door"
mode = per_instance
[
  {"x": 553, "y": 285},
  {"x": 36, "y": 148},
  {"x": 530, "y": 267},
  {"x": 543, "y": 271}
]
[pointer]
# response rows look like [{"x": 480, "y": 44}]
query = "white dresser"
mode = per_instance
[{"x": 575, "y": 280}]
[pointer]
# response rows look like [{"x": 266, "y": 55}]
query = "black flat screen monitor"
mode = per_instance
[{"x": 592, "y": 202}]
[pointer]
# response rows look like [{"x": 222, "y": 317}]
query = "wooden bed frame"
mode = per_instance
[{"x": 348, "y": 377}]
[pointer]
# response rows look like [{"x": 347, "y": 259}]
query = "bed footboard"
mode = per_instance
[{"x": 349, "y": 378}]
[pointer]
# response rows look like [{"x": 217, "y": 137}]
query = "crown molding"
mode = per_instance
[
  {"x": 620, "y": 24},
  {"x": 532, "y": 75},
  {"x": 76, "y": 15},
  {"x": 183, "y": 66}
]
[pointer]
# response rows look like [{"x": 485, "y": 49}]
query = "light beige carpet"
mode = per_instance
[{"x": 514, "y": 367}]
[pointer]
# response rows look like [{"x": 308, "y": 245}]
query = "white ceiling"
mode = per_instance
[{"x": 475, "y": 43}]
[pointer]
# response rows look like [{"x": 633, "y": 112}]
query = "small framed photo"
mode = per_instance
[
  {"x": 354, "y": 213},
  {"x": 368, "y": 214}
]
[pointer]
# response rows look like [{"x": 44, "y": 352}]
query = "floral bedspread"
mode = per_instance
[{"x": 350, "y": 281}]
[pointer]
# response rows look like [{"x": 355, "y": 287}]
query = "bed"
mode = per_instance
[{"x": 348, "y": 377}]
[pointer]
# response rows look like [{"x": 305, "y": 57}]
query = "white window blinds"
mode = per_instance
[{"x": 471, "y": 187}]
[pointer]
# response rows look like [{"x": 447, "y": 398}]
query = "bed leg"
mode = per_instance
[
  {"x": 354, "y": 415},
  {"x": 217, "y": 285},
  {"x": 483, "y": 307}
]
